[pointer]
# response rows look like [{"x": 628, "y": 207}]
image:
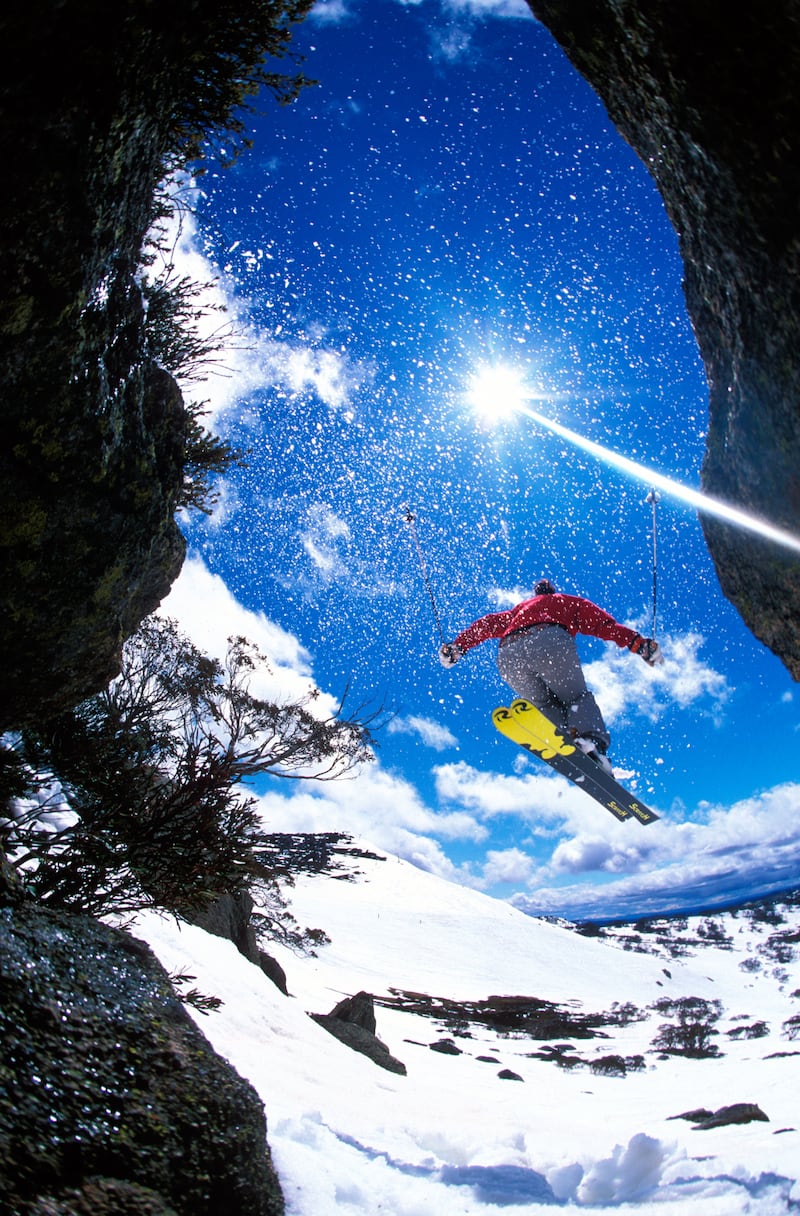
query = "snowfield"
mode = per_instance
[{"x": 453, "y": 1138}]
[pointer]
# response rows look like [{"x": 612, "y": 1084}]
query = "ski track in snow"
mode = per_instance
[{"x": 451, "y": 1137}]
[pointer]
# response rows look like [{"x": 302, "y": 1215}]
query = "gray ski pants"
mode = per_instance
[{"x": 542, "y": 665}]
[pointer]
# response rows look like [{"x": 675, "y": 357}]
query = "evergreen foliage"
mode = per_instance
[
  {"x": 138, "y": 797},
  {"x": 174, "y": 308},
  {"x": 206, "y": 456},
  {"x": 201, "y": 1001},
  {"x": 228, "y": 51},
  {"x": 691, "y": 1032}
]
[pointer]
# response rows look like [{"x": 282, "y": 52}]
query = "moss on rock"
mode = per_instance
[{"x": 111, "y": 1100}]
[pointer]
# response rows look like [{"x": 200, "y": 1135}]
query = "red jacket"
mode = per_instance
[{"x": 577, "y": 615}]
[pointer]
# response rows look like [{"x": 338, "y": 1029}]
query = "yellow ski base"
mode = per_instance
[{"x": 524, "y": 724}]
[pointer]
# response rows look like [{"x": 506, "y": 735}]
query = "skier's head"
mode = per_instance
[{"x": 544, "y": 587}]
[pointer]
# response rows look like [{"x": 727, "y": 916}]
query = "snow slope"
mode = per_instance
[{"x": 452, "y": 1136}]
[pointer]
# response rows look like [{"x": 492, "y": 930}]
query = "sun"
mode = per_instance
[{"x": 496, "y": 393}]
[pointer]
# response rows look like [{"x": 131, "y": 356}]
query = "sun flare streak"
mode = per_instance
[
  {"x": 497, "y": 393},
  {"x": 704, "y": 503}
]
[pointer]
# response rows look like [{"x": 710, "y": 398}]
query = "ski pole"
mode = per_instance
[
  {"x": 412, "y": 523},
  {"x": 654, "y": 498}
]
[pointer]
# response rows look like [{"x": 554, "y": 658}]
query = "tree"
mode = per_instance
[
  {"x": 791, "y": 1027},
  {"x": 691, "y": 1032},
  {"x": 178, "y": 339},
  {"x": 224, "y": 54},
  {"x": 145, "y": 799}
]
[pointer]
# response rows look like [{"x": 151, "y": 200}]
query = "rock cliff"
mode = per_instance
[
  {"x": 93, "y": 430},
  {"x": 708, "y": 98},
  {"x": 111, "y": 1101}
]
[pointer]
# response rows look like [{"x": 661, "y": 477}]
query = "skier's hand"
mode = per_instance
[
  {"x": 449, "y": 654},
  {"x": 647, "y": 649}
]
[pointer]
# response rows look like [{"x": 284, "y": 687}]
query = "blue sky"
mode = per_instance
[{"x": 450, "y": 198}]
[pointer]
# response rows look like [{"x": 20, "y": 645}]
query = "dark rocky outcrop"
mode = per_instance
[
  {"x": 358, "y": 1010},
  {"x": 446, "y": 1047},
  {"x": 273, "y": 971},
  {"x": 353, "y": 1023},
  {"x": 738, "y": 1112},
  {"x": 711, "y": 105},
  {"x": 93, "y": 430},
  {"x": 231, "y": 917},
  {"x": 111, "y": 1100}
]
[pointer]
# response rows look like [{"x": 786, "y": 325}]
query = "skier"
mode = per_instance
[{"x": 539, "y": 659}]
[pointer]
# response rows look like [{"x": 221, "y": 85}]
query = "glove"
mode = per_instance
[
  {"x": 449, "y": 654},
  {"x": 647, "y": 649}
]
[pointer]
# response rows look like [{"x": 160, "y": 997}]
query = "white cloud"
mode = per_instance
[
  {"x": 506, "y": 866},
  {"x": 719, "y": 855},
  {"x": 227, "y": 504},
  {"x": 452, "y": 36},
  {"x": 380, "y": 807},
  {"x": 603, "y": 853},
  {"x": 431, "y": 733},
  {"x": 208, "y": 612},
  {"x": 624, "y": 684},
  {"x": 729, "y": 854},
  {"x": 328, "y": 373},
  {"x": 219, "y": 315},
  {"x": 537, "y": 798},
  {"x": 450, "y": 23},
  {"x": 331, "y": 12},
  {"x": 582, "y": 854},
  {"x": 247, "y": 360},
  {"x": 374, "y": 803},
  {"x": 452, "y": 43},
  {"x": 255, "y": 362},
  {"x": 326, "y": 539},
  {"x": 514, "y": 9},
  {"x": 323, "y": 532},
  {"x": 335, "y": 12}
]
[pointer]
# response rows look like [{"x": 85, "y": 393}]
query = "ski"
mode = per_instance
[
  {"x": 559, "y": 754},
  {"x": 532, "y": 719},
  {"x": 527, "y": 726}
]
